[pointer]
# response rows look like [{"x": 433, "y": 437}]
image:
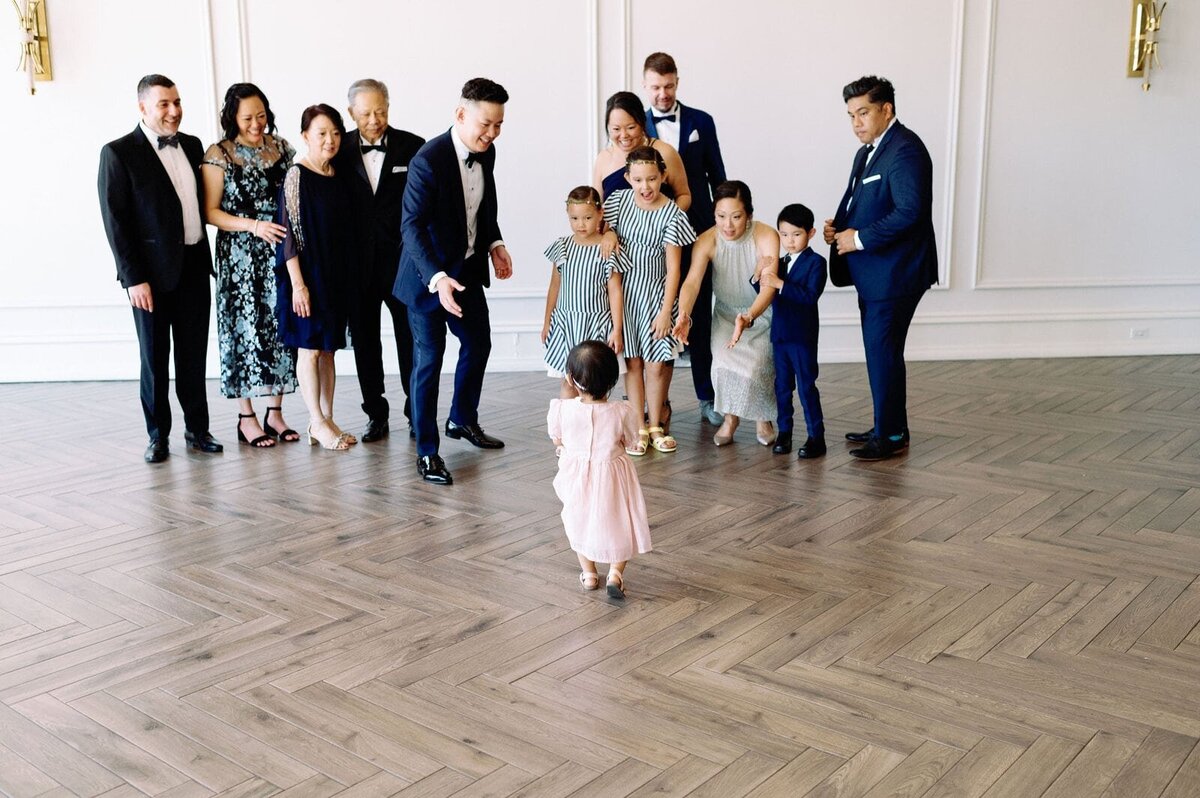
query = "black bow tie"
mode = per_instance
[
  {"x": 168, "y": 141},
  {"x": 474, "y": 157},
  {"x": 365, "y": 148},
  {"x": 667, "y": 118}
]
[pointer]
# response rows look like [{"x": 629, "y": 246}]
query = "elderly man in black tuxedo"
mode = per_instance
[
  {"x": 374, "y": 159},
  {"x": 450, "y": 230},
  {"x": 150, "y": 200}
]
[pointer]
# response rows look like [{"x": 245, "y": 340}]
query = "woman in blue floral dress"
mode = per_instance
[{"x": 242, "y": 175}]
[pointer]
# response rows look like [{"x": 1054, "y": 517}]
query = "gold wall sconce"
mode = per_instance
[
  {"x": 35, "y": 41},
  {"x": 1143, "y": 39}
]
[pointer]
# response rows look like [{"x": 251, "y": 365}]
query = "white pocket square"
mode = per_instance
[
  {"x": 396, "y": 169},
  {"x": 871, "y": 179},
  {"x": 694, "y": 137}
]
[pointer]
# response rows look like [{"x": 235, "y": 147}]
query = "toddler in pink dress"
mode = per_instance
[{"x": 604, "y": 513}]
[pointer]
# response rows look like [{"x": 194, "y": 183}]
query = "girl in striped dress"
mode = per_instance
[
  {"x": 652, "y": 231},
  {"x": 584, "y": 299}
]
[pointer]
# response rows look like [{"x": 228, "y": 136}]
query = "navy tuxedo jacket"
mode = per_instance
[
  {"x": 434, "y": 224},
  {"x": 893, "y": 214},
  {"x": 142, "y": 215},
  {"x": 377, "y": 214},
  {"x": 794, "y": 316},
  {"x": 701, "y": 160}
]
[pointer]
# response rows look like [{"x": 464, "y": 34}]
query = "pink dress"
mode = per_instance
[{"x": 604, "y": 513}]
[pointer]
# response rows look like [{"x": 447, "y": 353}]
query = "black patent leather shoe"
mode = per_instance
[
  {"x": 863, "y": 437},
  {"x": 203, "y": 442},
  {"x": 877, "y": 449},
  {"x": 473, "y": 434},
  {"x": 157, "y": 451},
  {"x": 432, "y": 469},
  {"x": 812, "y": 449},
  {"x": 783, "y": 443},
  {"x": 376, "y": 430}
]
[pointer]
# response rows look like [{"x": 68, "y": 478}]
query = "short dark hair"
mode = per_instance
[
  {"x": 321, "y": 109},
  {"x": 661, "y": 63},
  {"x": 878, "y": 90},
  {"x": 584, "y": 195},
  {"x": 592, "y": 366},
  {"x": 233, "y": 100},
  {"x": 645, "y": 155},
  {"x": 482, "y": 90},
  {"x": 735, "y": 189},
  {"x": 628, "y": 102},
  {"x": 153, "y": 80},
  {"x": 796, "y": 215}
]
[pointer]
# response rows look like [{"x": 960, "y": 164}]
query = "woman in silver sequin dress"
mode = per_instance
[{"x": 743, "y": 370}]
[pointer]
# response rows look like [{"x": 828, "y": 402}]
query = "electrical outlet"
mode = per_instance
[{"x": 1139, "y": 332}]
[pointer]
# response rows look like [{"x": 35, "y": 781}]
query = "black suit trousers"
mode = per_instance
[
  {"x": 366, "y": 337},
  {"x": 700, "y": 336},
  {"x": 182, "y": 314}
]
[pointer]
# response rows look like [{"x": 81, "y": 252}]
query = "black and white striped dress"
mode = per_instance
[
  {"x": 582, "y": 312},
  {"x": 644, "y": 236}
]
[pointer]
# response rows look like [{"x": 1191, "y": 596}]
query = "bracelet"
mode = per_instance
[{"x": 254, "y": 230}]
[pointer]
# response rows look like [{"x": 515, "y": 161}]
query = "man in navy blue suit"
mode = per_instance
[
  {"x": 882, "y": 242},
  {"x": 449, "y": 229},
  {"x": 693, "y": 133}
]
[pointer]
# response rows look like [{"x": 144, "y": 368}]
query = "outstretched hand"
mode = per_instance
[
  {"x": 740, "y": 324},
  {"x": 682, "y": 328},
  {"x": 445, "y": 289}
]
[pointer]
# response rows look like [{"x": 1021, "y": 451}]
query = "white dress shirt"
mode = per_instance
[
  {"x": 668, "y": 131},
  {"x": 183, "y": 178},
  {"x": 373, "y": 160},
  {"x": 473, "y": 185}
]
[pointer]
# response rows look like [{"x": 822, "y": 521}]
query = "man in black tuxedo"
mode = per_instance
[
  {"x": 374, "y": 159},
  {"x": 449, "y": 229},
  {"x": 694, "y": 134},
  {"x": 150, "y": 200}
]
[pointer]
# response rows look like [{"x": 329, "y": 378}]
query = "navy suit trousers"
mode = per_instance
[
  {"x": 796, "y": 366},
  {"x": 885, "y": 328},
  {"x": 474, "y": 334}
]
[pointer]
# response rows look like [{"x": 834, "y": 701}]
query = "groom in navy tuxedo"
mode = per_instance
[
  {"x": 693, "y": 133},
  {"x": 882, "y": 242},
  {"x": 449, "y": 230}
]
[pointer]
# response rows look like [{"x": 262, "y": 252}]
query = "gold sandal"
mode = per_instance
[
  {"x": 640, "y": 448},
  {"x": 664, "y": 442}
]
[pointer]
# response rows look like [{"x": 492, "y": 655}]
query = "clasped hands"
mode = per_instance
[
  {"x": 501, "y": 265},
  {"x": 844, "y": 239}
]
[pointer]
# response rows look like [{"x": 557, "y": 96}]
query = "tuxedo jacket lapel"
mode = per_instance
[
  {"x": 353, "y": 141},
  {"x": 151, "y": 166},
  {"x": 686, "y": 126}
]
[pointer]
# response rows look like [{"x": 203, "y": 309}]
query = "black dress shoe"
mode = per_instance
[
  {"x": 473, "y": 434},
  {"x": 432, "y": 469},
  {"x": 203, "y": 442},
  {"x": 877, "y": 449},
  {"x": 376, "y": 430},
  {"x": 863, "y": 437},
  {"x": 783, "y": 443},
  {"x": 812, "y": 449},
  {"x": 157, "y": 451}
]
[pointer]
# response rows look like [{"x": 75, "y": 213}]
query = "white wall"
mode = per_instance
[{"x": 1063, "y": 199}]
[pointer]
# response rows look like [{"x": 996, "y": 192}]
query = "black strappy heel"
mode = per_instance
[
  {"x": 287, "y": 436},
  {"x": 257, "y": 443}
]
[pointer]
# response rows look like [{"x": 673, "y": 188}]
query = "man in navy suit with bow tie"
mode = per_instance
[
  {"x": 693, "y": 133},
  {"x": 882, "y": 242},
  {"x": 449, "y": 230},
  {"x": 151, "y": 197}
]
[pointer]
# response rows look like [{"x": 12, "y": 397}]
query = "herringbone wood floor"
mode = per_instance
[{"x": 1009, "y": 610}]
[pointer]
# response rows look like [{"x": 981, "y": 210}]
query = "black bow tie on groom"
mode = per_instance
[
  {"x": 474, "y": 157},
  {"x": 365, "y": 148},
  {"x": 667, "y": 118},
  {"x": 168, "y": 141}
]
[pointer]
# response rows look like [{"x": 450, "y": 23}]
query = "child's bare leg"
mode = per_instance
[
  {"x": 587, "y": 573},
  {"x": 635, "y": 384}
]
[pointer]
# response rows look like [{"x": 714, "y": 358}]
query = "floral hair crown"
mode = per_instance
[{"x": 589, "y": 201}]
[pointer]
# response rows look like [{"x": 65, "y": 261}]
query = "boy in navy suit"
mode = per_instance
[{"x": 794, "y": 328}]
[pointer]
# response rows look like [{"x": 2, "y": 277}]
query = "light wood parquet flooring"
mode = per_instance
[{"x": 1011, "y": 609}]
